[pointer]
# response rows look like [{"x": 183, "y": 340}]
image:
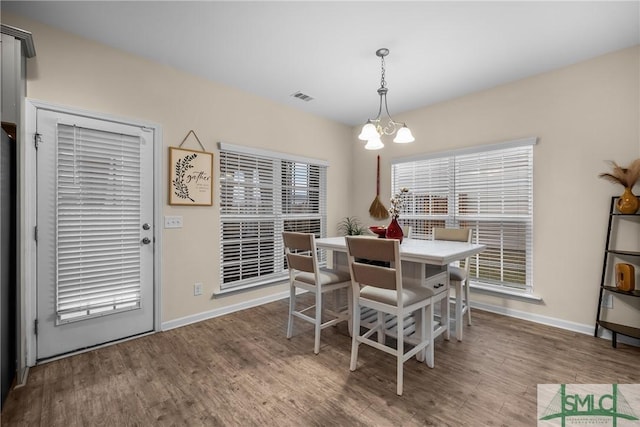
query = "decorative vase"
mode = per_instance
[
  {"x": 394, "y": 231},
  {"x": 627, "y": 203}
]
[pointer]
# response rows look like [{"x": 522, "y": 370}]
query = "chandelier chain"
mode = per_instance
[{"x": 383, "y": 82}]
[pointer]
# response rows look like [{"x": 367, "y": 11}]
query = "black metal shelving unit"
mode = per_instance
[{"x": 616, "y": 328}]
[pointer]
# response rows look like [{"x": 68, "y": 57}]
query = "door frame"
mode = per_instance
[{"x": 28, "y": 187}]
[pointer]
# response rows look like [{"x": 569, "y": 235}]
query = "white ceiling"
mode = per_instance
[{"x": 438, "y": 50}]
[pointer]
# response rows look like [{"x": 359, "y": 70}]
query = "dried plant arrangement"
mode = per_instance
[
  {"x": 627, "y": 177},
  {"x": 397, "y": 203},
  {"x": 627, "y": 203}
]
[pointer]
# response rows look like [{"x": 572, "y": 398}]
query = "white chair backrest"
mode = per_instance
[
  {"x": 452, "y": 234},
  {"x": 363, "y": 249},
  {"x": 455, "y": 235},
  {"x": 300, "y": 249}
]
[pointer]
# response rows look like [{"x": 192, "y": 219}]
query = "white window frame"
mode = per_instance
[
  {"x": 268, "y": 212},
  {"x": 435, "y": 201}
]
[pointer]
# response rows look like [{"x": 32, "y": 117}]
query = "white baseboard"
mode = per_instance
[
  {"x": 536, "y": 318},
  {"x": 552, "y": 321},
  {"x": 187, "y": 320}
]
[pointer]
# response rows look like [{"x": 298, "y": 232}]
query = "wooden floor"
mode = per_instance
[{"x": 240, "y": 370}]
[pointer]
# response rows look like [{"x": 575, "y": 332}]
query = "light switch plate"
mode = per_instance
[{"x": 172, "y": 221}]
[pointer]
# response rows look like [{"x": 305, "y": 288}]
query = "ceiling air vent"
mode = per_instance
[{"x": 302, "y": 96}]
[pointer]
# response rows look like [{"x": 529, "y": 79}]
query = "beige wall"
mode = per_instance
[
  {"x": 583, "y": 115},
  {"x": 79, "y": 73}
]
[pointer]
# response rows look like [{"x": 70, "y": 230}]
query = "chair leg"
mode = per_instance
[
  {"x": 292, "y": 308},
  {"x": 459, "y": 314},
  {"x": 356, "y": 333},
  {"x": 421, "y": 327},
  {"x": 318, "y": 321},
  {"x": 428, "y": 327},
  {"x": 381, "y": 328},
  {"x": 445, "y": 315},
  {"x": 349, "y": 311},
  {"x": 467, "y": 301},
  {"x": 400, "y": 355},
  {"x": 419, "y": 319}
]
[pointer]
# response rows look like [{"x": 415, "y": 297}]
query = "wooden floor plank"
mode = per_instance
[{"x": 241, "y": 370}]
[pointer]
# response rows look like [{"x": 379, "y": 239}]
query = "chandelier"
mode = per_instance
[{"x": 374, "y": 129}]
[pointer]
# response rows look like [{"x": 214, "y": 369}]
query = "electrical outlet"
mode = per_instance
[
  {"x": 172, "y": 221},
  {"x": 607, "y": 301},
  {"x": 197, "y": 289}
]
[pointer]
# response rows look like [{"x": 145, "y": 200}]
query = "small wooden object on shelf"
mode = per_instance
[
  {"x": 625, "y": 277},
  {"x": 633, "y": 257}
]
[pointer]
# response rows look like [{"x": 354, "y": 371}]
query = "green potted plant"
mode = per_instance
[{"x": 351, "y": 226}]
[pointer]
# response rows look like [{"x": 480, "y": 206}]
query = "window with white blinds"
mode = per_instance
[
  {"x": 488, "y": 189},
  {"x": 262, "y": 194},
  {"x": 98, "y": 230}
]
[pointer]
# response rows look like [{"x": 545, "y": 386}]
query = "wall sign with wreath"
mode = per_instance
[{"x": 190, "y": 175}]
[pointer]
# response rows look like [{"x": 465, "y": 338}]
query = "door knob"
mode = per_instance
[{"x": 146, "y": 241}]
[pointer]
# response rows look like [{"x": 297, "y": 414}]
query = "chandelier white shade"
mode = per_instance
[
  {"x": 368, "y": 131},
  {"x": 404, "y": 135},
  {"x": 374, "y": 143},
  {"x": 374, "y": 129}
]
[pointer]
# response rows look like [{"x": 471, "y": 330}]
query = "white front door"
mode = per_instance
[{"x": 95, "y": 232}]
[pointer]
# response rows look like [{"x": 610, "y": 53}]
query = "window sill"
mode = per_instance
[
  {"x": 502, "y": 292},
  {"x": 251, "y": 287}
]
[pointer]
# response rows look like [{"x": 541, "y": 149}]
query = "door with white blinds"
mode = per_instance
[{"x": 94, "y": 232}]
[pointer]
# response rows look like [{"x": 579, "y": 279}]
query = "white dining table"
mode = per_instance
[{"x": 424, "y": 262}]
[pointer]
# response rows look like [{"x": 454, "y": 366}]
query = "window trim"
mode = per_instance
[
  {"x": 468, "y": 150},
  {"x": 241, "y": 149}
]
